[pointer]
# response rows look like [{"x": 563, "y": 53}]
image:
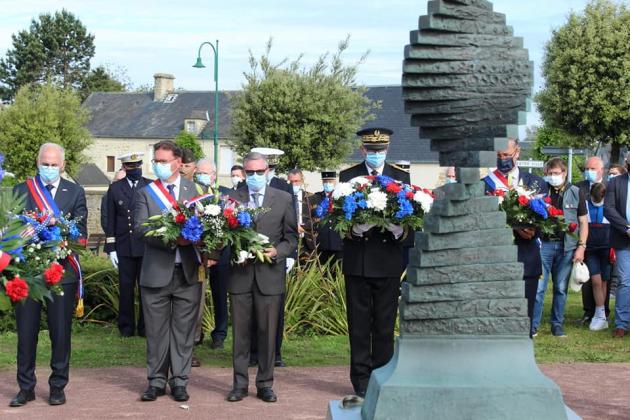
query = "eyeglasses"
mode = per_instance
[{"x": 258, "y": 172}]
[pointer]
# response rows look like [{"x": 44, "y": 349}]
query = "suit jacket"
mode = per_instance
[
  {"x": 361, "y": 170},
  {"x": 159, "y": 258},
  {"x": 327, "y": 239},
  {"x": 70, "y": 199},
  {"x": 279, "y": 224},
  {"x": 307, "y": 220},
  {"x": 528, "y": 249},
  {"x": 615, "y": 211},
  {"x": 119, "y": 229},
  {"x": 281, "y": 185}
]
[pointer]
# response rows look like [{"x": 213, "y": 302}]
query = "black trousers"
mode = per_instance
[
  {"x": 531, "y": 286},
  {"x": 372, "y": 304},
  {"x": 279, "y": 334},
  {"x": 324, "y": 256},
  {"x": 27, "y": 315},
  {"x": 128, "y": 278},
  {"x": 254, "y": 312},
  {"x": 219, "y": 275}
]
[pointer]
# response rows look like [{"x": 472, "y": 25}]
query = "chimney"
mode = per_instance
[{"x": 163, "y": 86}]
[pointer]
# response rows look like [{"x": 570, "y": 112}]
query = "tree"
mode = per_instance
[
  {"x": 587, "y": 76},
  {"x": 310, "y": 113},
  {"x": 102, "y": 79},
  {"x": 55, "y": 47},
  {"x": 188, "y": 140},
  {"x": 41, "y": 114}
]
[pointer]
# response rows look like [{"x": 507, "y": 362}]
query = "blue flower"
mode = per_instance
[
  {"x": 55, "y": 231},
  {"x": 322, "y": 209},
  {"x": 193, "y": 229},
  {"x": 17, "y": 252},
  {"x": 244, "y": 219},
  {"x": 384, "y": 181},
  {"x": 74, "y": 232},
  {"x": 349, "y": 207},
  {"x": 362, "y": 204},
  {"x": 539, "y": 207},
  {"x": 45, "y": 235},
  {"x": 405, "y": 208}
]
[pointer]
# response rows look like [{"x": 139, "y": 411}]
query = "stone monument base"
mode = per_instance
[{"x": 460, "y": 378}]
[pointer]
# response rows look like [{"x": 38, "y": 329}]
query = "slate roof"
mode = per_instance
[
  {"x": 90, "y": 175},
  {"x": 136, "y": 115}
]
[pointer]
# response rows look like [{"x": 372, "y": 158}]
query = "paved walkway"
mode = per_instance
[{"x": 594, "y": 391}]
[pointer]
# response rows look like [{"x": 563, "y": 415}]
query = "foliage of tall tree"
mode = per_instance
[
  {"x": 41, "y": 114},
  {"x": 55, "y": 47},
  {"x": 310, "y": 113},
  {"x": 102, "y": 79},
  {"x": 188, "y": 140},
  {"x": 587, "y": 76}
]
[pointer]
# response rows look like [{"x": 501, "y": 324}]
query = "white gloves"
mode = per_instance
[
  {"x": 359, "y": 230},
  {"x": 290, "y": 264},
  {"x": 113, "y": 257},
  {"x": 396, "y": 230}
]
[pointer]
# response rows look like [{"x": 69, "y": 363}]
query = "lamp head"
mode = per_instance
[{"x": 199, "y": 63}]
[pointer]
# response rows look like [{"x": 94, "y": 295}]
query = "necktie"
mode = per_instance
[
  {"x": 255, "y": 197},
  {"x": 171, "y": 190},
  {"x": 374, "y": 172},
  {"x": 50, "y": 187}
]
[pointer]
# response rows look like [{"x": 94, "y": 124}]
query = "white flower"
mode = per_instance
[
  {"x": 243, "y": 256},
  {"x": 424, "y": 199},
  {"x": 263, "y": 239},
  {"x": 377, "y": 200},
  {"x": 212, "y": 210},
  {"x": 360, "y": 180},
  {"x": 161, "y": 230},
  {"x": 343, "y": 189}
]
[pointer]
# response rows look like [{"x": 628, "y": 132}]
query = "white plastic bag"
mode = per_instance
[{"x": 579, "y": 276}]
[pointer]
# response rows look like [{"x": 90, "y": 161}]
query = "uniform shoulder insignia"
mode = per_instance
[{"x": 399, "y": 168}]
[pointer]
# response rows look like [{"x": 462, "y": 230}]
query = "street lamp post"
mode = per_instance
[{"x": 199, "y": 65}]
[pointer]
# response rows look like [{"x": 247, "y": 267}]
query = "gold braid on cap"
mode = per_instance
[{"x": 375, "y": 137}]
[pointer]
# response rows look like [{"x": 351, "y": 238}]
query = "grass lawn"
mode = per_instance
[{"x": 100, "y": 346}]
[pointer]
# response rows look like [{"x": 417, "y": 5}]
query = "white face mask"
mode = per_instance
[
  {"x": 601, "y": 203},
  {"x": 236, "y": 180},
  {"x": 555, "y": 180}
]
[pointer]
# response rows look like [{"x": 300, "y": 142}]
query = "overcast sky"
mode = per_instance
[{"x": 145, "y": 37}]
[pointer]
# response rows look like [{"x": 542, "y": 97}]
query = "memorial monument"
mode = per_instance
[{"x": 464, "y": 350}]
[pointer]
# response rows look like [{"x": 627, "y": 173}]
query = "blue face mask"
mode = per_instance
[
  {"x": 451, "y": 181},
  {"x": 48, "y": 174},
  {"x": 296, "y": 189},
  {"x": 162, "y": 170},
  {"x": 375, "y": 160},
  {"x": 590, "y": 176},
  {"x": 505, "y": 165},
  {"x": 256, "y": 182},
  {"x": 204, "y": 179},
  {"x": 611, "y": 176},
  {"x": 328, "y": 187}
]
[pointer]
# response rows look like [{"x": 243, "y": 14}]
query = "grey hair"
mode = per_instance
[
  {"x": 255, "y": 156},
  {"x": 45, "y": 146},
  {"x": 206, "y": 161}
]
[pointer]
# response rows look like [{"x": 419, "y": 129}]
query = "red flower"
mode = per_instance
[
  {"x": 499, "y": 193},
  {"x": 572, "y": 227},
  {"x": 83, "y": 242},
  {"x": 393, "y": 188},
  {"x": 409, "y": 195},
  {"x": 523, "y": 200},
  {"x": 228, "y": 212},
  {"x": 554, "y": 211},
  {"x": 370, "y": 177},
  {"x": 16, "y": 289},
  {"x": 548, "y": 200},
  {"x": 53, "y": 274},
  {"x": 232, "y": 222},
  {"x": 180, "y": 218}
]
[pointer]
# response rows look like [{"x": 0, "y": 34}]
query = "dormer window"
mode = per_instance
[
  {"x": 170, "y": 98},
  {"x": 191, "y": 127}
]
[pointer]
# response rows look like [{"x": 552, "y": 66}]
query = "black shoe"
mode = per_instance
[
  {"x": 152, "y": 393},
  {"x": 22, "y": 398},
  {"x": 267, "y": 395},
  {"x": 279, "y": 363},
  {"x": 179, "y": 393},
  {"x": 237, "y": 395},
  {"x": 56, "y": 397},
  {"x": 216, "y": 344},
  {"x": 360, "y": 393},
  {"x": 253, "y": 362}
]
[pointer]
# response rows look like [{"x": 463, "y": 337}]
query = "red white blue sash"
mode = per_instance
[
  {"x": 193, "y": 201},
  {"x": 161, "y": 196},
  {"x": 497, "y": 181}
]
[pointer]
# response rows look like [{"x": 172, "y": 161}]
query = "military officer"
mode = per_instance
[
  {"x": 329, "y": 243},
  {"x": 124, "y": 249},
  {"x": 372, "y": 267}
]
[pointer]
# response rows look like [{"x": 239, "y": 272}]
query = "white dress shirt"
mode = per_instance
[
  {"x": 379, "y": 169},
  {"x": 55, "y": 185}
]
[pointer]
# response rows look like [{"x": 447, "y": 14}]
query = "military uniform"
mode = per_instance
[
  {"x": 372, "y": 266},
  {"x": 128, "y": 249},
  {"x": 328, "y": 242}
]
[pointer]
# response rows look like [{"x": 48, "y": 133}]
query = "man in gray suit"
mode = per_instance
[
  {"x": 169, "y": 280},
  {"x": 256, "y": 288}
]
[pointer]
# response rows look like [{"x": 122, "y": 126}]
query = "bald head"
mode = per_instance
[
  {"x": 507, "y": 158},
  {"x": 594, "y": 169}
]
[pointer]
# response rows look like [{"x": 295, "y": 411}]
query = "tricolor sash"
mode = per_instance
[
  {"x": 497, "y": 181},
  {"x": 161, "y": 196},
  {"x": 46, "y": 205},
  {"x": 193, "y": 201}
]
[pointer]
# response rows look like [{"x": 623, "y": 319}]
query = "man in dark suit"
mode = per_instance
[
  {"x": 303, "y": 204},
  {"x": 117, "y": 177},
  {"x": 69, "y": 198},
  {"x": 124, "y": 249},
  {"x": 508, "y": 176},
  {"x": 593, "y": 173},
  {"x": 372, "y": 266},
  {"x": 169, "y": 280},
  {"x": 617, "y": 211},
  {"x": 256, "y": 288},
  {"x": 329, "y": 243}
]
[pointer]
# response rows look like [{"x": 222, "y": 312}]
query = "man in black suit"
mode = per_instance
[
  {"x": 617, "y": 211},
  {"x": 593, "y": 173},
  {"x": 372, "y": 266},
  {"x": 69, "y": 198},
  {"x": 303, "y": 204},
  {"x": 329, "y": 243},
  {"x": 117, "y": 177},
  {"x": 256, "y": 288},
  {"x": 124, "y": 249},
  {"x": 508, "y": 176}
]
